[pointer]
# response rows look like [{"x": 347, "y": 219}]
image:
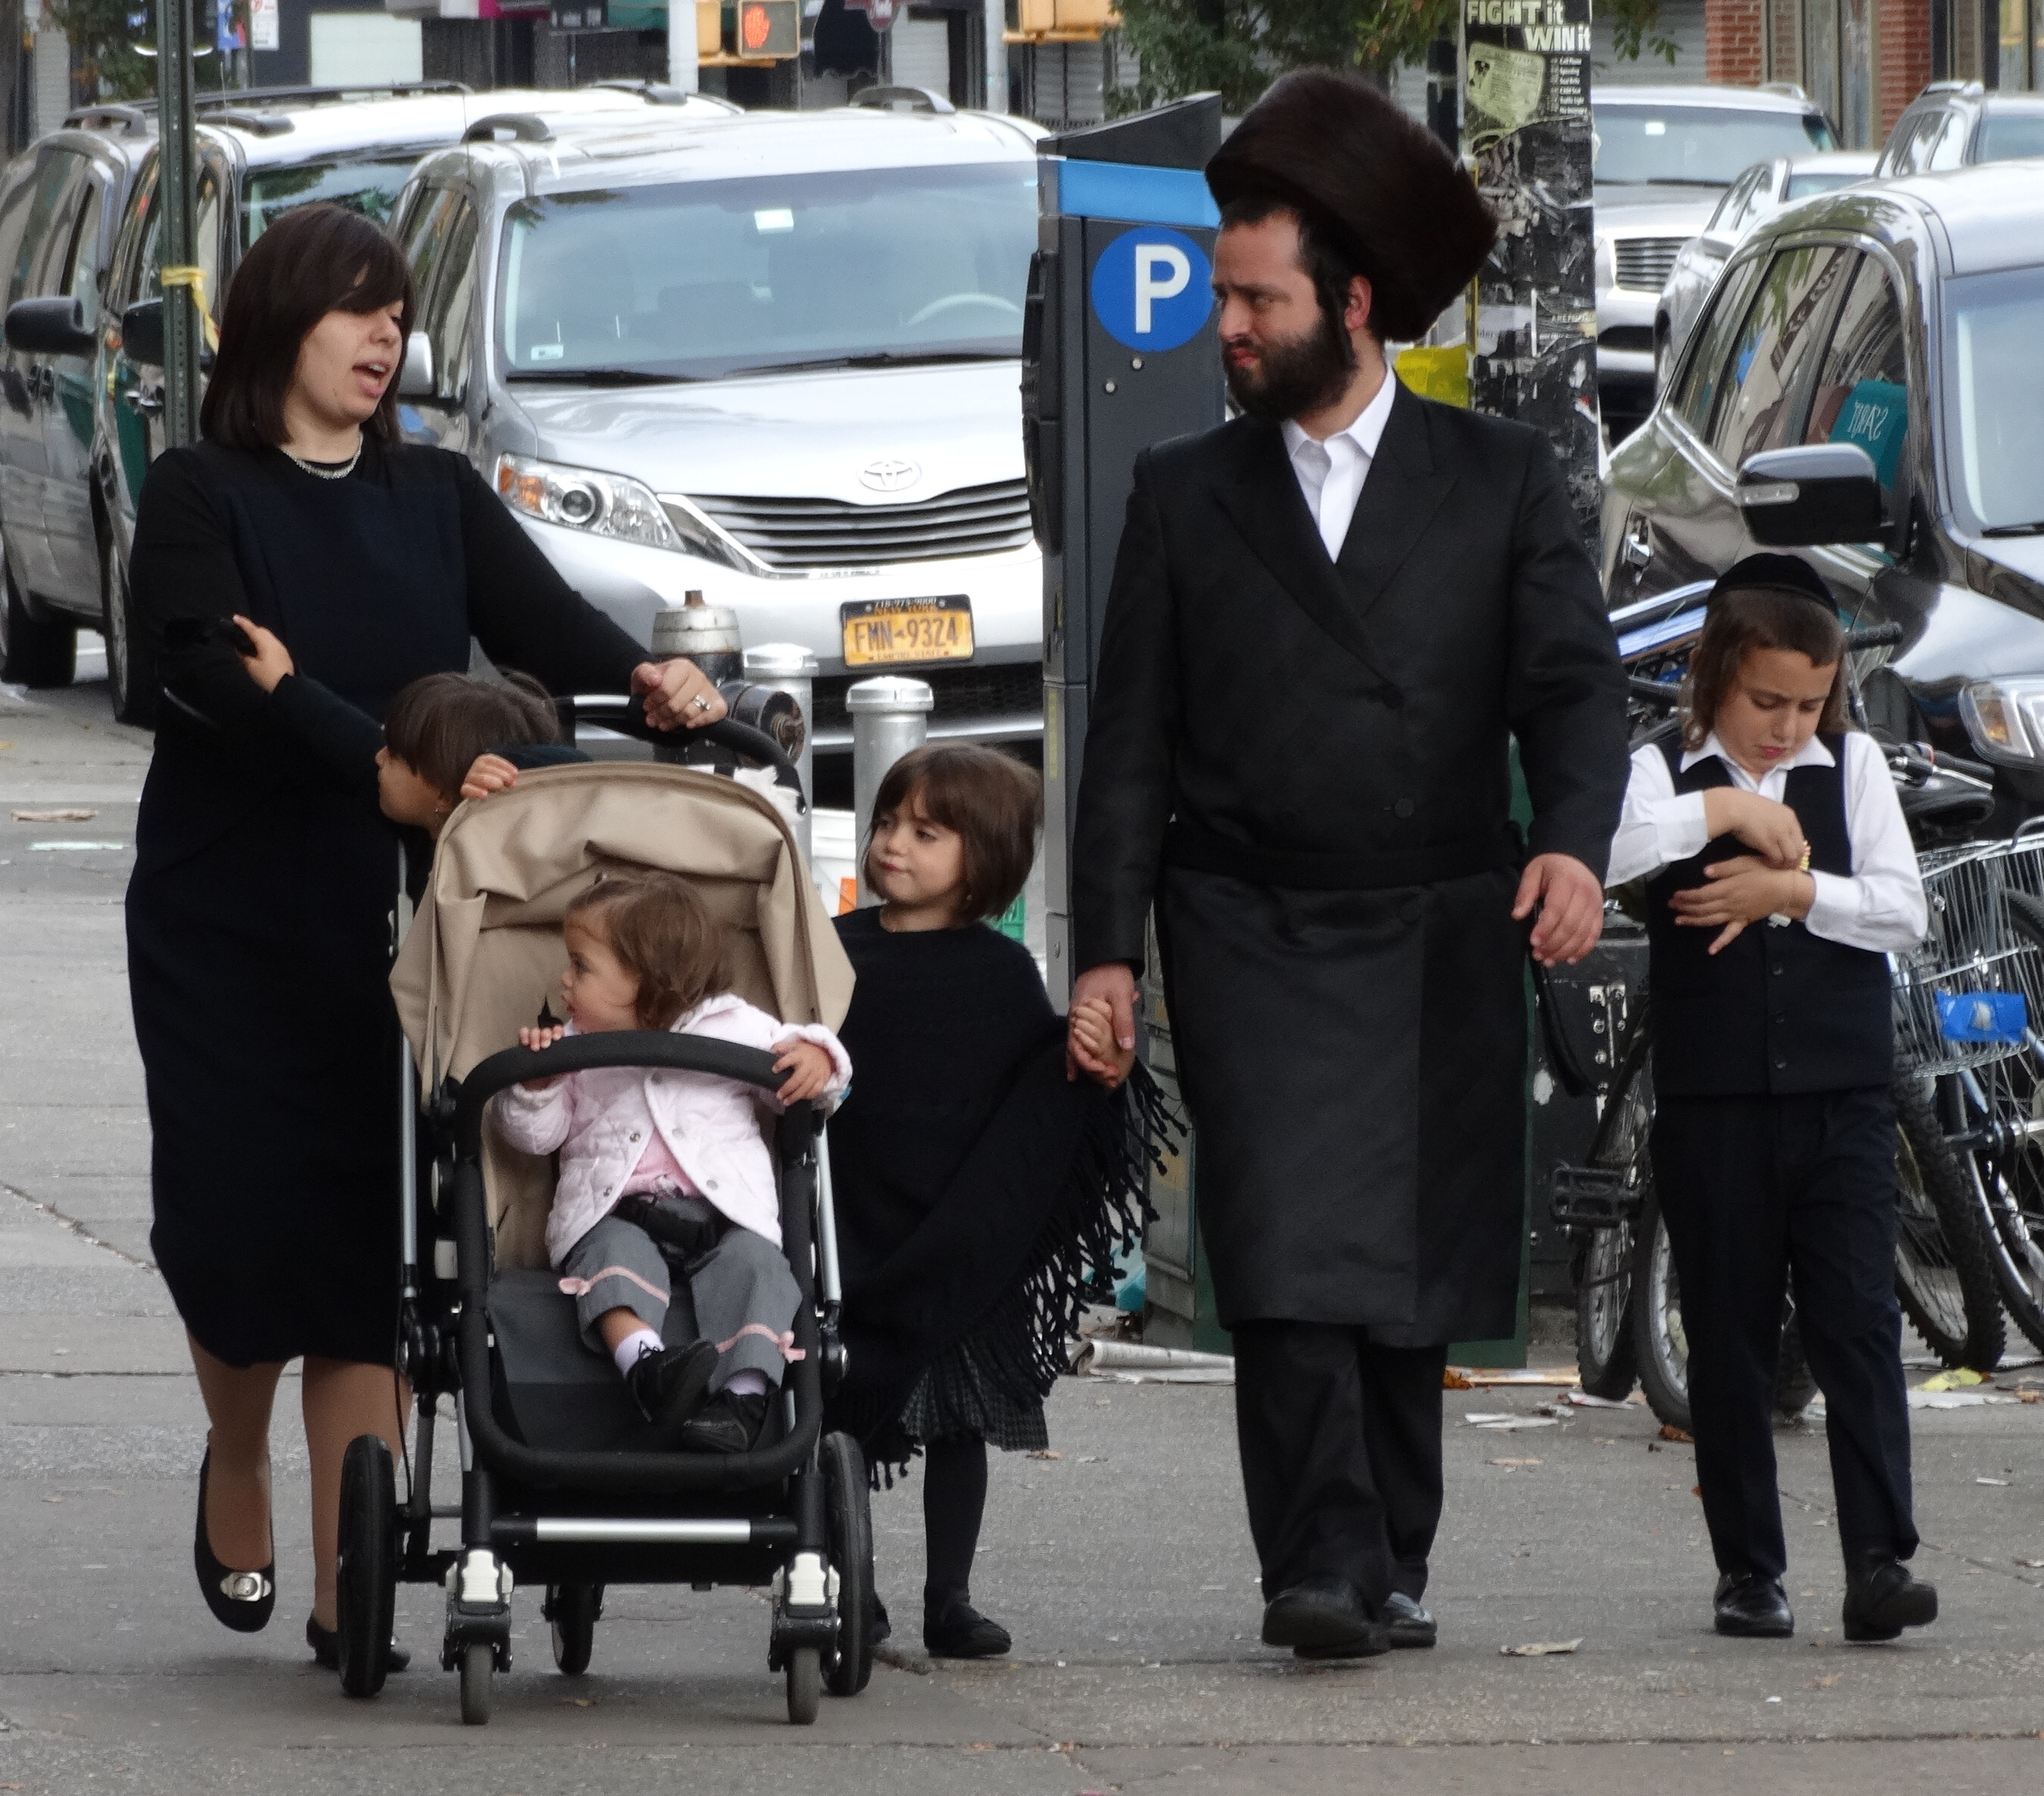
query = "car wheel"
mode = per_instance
[
  {"x": 129, "y": 672},
  {"x": 33, "y": 651}
]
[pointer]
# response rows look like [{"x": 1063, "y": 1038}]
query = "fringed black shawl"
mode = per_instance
[{"x": 977, "y": 1190}]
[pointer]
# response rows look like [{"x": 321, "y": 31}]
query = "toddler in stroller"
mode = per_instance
[{"x": 697, "y": 1193}]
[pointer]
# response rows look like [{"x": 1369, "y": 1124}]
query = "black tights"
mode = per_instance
[{"x": 954, "y": 1500}]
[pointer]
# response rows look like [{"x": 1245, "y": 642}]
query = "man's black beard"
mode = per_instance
[{"x": 1295, "y": 377}]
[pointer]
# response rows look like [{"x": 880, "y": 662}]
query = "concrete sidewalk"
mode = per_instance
[{"x": 1122, "y": 1565}]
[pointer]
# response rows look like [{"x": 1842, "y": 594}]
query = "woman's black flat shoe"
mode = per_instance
[
  {"x": 325, "y": 1643},
  {"x": 239, "y": 1600}
]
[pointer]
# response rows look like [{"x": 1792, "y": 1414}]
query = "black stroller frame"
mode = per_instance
[{"x": 792, "y": 1514}]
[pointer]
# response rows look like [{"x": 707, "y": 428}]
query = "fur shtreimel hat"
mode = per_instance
[{"x": 1332, "y": 145}]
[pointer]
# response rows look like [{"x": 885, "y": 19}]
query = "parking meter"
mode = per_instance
[{"x": 1118, "y": 352}]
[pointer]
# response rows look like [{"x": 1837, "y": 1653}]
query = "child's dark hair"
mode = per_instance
[
  {"x": 993, "y": 801},
  {"x": 1760, "y": 617},
  {"x": 438, "y": 725},
  {"x": 663, "y": 935}
]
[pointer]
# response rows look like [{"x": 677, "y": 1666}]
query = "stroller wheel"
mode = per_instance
[
  {"x": 805, "y": 1685},
  {"x": 478, "y": 1661},
  {"x": 366, "y": 1599},
  {"x": 848, "y": 1514},
  {"x": 573, "y": 1608}
]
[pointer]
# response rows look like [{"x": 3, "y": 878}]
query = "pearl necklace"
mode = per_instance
[{"x": 319, "y": 473}]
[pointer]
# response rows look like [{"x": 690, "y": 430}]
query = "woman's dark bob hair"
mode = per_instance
[
  {"x": 315, "y": 259},
  {"x": 1761, "y": 618},
  {"x": 993, "y": 801}
]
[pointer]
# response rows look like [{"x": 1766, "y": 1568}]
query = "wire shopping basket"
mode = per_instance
[{"x": 1971, "y": 991}]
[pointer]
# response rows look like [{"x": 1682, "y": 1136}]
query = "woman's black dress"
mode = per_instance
[{"x": 260, "y": 914}]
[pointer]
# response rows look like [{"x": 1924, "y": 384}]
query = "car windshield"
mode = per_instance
[
  {"x": 1801, "y": 186},
  {"x": 710, "y": 279},
  {"x": 1697, "y": 146},
  {"x": 2005, "y": 137},
  {"x": 1995, "y": 381},
  {"x": 366, "y": 185}
]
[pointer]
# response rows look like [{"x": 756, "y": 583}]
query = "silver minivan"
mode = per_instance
[{"x": 772, "y": 358}]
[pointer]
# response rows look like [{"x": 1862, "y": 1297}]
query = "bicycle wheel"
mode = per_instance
[
  {"x": 2004, "y": 1100},
  {"x": 1602, "y": 1263},
  {"x": 1658, "y": 1339},
  {"x": 1944, "y": 1277}
]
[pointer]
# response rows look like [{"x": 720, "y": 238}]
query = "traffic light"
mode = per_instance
[{"x": 768, "y": 28}]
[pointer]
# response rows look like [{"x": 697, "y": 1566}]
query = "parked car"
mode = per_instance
[
  {"x": 1956, "y": 124},
  {"x": 1761, "y": 192},
  {"x": 258, "y": 157},
  {"x": 1872, "y": 351},
  {"x": 775, "y": 359},
  {"x": 1663, "y": 156}
]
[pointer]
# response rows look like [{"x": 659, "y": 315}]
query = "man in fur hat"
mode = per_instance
[{"x": 1329, "y": 619}]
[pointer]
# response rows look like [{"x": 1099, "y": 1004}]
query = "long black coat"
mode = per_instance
[{"x": 1353, "y": 1055}]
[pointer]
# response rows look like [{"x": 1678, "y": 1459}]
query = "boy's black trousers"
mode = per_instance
[{"x": 1759, "y": 1191}]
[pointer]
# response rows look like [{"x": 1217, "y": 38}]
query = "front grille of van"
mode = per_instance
[
  {"x": 1645, "y": 263},
  {"x": 797, "y": 535}
]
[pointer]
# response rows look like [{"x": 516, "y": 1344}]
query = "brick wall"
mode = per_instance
[
  {"x": 1903, "y": 27},
  {"x": 1732, "y": 41},
  {"x": 1786, "y": 65}
]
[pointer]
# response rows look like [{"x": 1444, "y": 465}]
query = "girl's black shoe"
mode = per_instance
[
  {"x": 325, "y": 1643},
  {"x": 239, "y": 1600},
  {"x": 726, "y": 1425},
  {"x": 956, "y": 1630}
]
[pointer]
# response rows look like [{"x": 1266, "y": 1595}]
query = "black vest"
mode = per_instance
[{"x": 1780, "y": 1010}]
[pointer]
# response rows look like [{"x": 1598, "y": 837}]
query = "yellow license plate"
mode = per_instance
[{"x": 886, "y": 632}]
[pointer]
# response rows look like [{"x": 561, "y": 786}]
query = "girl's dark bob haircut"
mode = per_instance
[
  {"x": 315, "y": 259},
  {"x": 1761, "y": 618},
  {"x": 993, "y": 801}
]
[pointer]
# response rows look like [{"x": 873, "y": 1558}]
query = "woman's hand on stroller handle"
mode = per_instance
[
  {"x": 809, "y": 1069},
  {"x": 537, "y": 1039},
  {"x": 678, "y": 694}
]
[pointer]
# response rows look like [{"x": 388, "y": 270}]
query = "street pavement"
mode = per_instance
[{"x": 1123, "y": 1565}]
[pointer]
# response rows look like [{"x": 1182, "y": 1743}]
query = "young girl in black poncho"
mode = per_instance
[{"x": 976, "y": 1186}]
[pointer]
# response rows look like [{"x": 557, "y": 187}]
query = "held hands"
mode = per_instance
[
  {"x": 1571, "y": 905},
  {"x": 678, "y": 695},
  {"x": 271, "y": 660},
  {"x": 1741, "y": 891},
  {"x": 1101, "y": 1049},
  {"x": 487, "y": 774},
  {"x": 1771, "y": 829},
  {"x": 808, "y": 1069},
  {"x": 536, "y": 1039}
]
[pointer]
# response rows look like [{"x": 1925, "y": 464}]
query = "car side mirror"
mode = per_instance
[
  {"x": 1817, "y": 492},
  {"x": 142, "y": 332},
  {"x": 415, "y": 378},
  {"x": 49, "y": 327}
]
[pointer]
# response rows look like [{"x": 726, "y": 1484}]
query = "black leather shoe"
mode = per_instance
[
  {"x": 325, "y": 1643},
  {"x": 878, "y": 1627},
  {"x": 726, "y": 1425},
  {"x": 244, "y": 1601},
  {"x": 1407, "y": 1623},
  {"x": 953, "y": 1628},
  {"x": 668, "y": 1386},
  {"x": 1753, "y": 1607},
  {"x": 1324, "y": 1618},
  {"x": 1882, "y": 1599}
]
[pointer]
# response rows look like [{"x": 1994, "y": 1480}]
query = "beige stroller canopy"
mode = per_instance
[{"x": 484, "y": 952}]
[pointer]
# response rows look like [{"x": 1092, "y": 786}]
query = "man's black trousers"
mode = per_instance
[
  {"x": 1341, "y": 1455},
  {"x": 1762, "y": 1195}
]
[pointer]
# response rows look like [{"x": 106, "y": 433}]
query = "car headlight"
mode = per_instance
[
  {"x": 2005, "y": 719},
  {"x": 605, "y": 505}
]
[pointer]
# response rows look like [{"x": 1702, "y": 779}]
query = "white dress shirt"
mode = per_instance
[
  {"x": 1332, "y": 473},
  {"x": 1879, "y": 905}
]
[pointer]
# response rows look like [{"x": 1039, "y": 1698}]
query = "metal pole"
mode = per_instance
[
  {"x": 683, "y": 71},
  {"x": 176, "y": 194},
  {"x": 889, "y": 717},
  {"x": 789, "y": 667},
  {"x": 995, "y": 15}
]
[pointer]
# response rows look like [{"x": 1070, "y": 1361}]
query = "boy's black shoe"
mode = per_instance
[
  {"x": 1407, "y": 1623},
  {"x": 1324, "y": 1618},
  {"x": 668, "y": 1386},
  {"x": 952, "y": 1629},
  {"x": 1753, "y": 1608},
  {"x": 1881, "y": 1598},
  {"x": 726, "y": 1423}
]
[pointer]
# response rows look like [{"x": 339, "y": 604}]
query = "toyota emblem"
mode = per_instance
[{"x": 887, "y": 476}]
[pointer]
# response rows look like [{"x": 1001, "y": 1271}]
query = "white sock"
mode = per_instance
[
  {"x": 750, "y": 1382},
  {"x": 640, "y": 1341}
]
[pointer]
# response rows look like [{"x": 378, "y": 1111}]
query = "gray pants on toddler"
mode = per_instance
[{"x": 743, "y": 1293}]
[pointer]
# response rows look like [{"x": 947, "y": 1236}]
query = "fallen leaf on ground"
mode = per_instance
[
  {"x": 66, "y": 814},
  {"x": 2001, "y": 1482},
  {"x": 1953, "y": 1380},
  {"x": 1453, "y": 1380},
  {"x": 1045, "y": 1453},
  {"x": 1669, "y": 1432},
  {"x": 1696, "y": 1489},
  {"x": 1514, "y": 1462},
  {"x": 1826, "y": 1681},
  {"x": 2033, "y": 1564},
  {"x": 1541, "y": 1649}
]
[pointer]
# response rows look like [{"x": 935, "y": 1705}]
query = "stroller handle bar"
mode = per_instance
[
  {"x": 627, "y": 717},
  {"x": 616, "y": 1047}
]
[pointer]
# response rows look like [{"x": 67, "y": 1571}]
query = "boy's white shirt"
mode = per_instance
[
  {"x": 601, "y": 1122},
  {"x": 1880, "y": 906}
]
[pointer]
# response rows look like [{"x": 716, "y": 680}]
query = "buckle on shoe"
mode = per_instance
[{"x": 244, "y": 1586}]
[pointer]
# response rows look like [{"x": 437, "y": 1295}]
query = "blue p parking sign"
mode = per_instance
[{"x": 1152, "y": 288}]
